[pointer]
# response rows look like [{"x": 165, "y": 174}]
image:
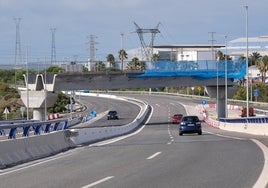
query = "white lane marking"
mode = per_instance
[
  {"x": 98, "y": 182},
  {"x": 157, "y": 105},
  {"x": 35, "y": 164},
  {"x": 154, "y": 155},
  {"x": 263, "y": 178},
  {"x": 220, "y": 135}
]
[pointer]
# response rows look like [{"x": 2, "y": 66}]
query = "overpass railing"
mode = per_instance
[
  {"x": 12, "y": 129},
  {"x": 255, "y": 120}
]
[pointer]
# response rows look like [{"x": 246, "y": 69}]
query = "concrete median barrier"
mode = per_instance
[
  {"x": 90, "y": 135},
  {"x": 26, "y": 149}
]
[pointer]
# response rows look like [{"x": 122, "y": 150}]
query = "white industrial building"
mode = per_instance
[
  {"x": 192, "y": 52},
  {"x": 188, "y": 52},
  {"x": 238, "y": 46}
]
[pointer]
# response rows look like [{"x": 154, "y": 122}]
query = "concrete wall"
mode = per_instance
[
  {"x": 249, "y": 128},
  {"x": 90, "y": 135},
  {"x": 25, "y": 149},
  {"x": 21, "y": 150}
]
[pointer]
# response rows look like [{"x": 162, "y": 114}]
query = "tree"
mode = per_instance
[
  {"x": 110, "y": 58},
  {"x": 136, "y": 64},
  {"x": 55, "y": 69},
  {"x": 242, "y": 58},
  {"x": 254, "y": 57},
  {"x": 155, "y": 57},
  {"x": 262, "y": 65},
  {"x": 122, "y": 57},
  {"x": 221, "y": 56},
  {"x": 100, "y": 66}
]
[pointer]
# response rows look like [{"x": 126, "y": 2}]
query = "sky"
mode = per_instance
[{"x": 181, "y": 22}]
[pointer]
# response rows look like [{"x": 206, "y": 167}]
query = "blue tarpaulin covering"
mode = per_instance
[{"x": 197, "y": 69}]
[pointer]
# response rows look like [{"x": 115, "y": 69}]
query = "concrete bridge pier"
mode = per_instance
[
  {"x": 220, "y": 103},
  {"x": 38, "y": 100}
]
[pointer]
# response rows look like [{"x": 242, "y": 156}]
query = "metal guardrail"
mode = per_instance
[
  {"x": 24, "y": 128},
  {"x": 245, "y": 120}
]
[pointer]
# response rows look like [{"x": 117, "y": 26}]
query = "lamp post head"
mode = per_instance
[{"x": 246, "y": 6}]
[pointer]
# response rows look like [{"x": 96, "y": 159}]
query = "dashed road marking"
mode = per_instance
[
  {"x": 98, "y": 182},
  {"x": 154, "y": 155}
]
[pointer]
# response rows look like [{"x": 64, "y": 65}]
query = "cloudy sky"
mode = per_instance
[{"x": 181, "y": 22}]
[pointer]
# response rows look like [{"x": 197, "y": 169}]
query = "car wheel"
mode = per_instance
[
  {"x": 180, "y": 133},
  {"x": 200, "y": 133}
]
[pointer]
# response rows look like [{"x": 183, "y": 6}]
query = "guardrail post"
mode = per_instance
[
  {"x": 2, "y": 132},
  {"x": 47, "y": 128},
  {"x": 12, "y": 133},
  {"x": 56, "y": 126},
  {"x": 65, "y": 125},
  {"x": 26, "y": 131},
  {"x": 37, "y": 129}
]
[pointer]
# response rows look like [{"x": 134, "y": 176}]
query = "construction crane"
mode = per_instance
[{"x": 147, "y": 49}]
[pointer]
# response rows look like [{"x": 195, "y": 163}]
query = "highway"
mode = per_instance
[
  {"x": 126, "y": 111},
  {"x": 153, "y": 157}
]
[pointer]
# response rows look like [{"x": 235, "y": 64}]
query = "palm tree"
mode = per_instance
[
  {"x": 254, "y": 57},
  {"x": 155, "y": 57},
  {"x": 110, "y": 58},
  {"x": 134, "y": 64},
  {"x": 220, "y": 55},
  {"x": 262, "y": 65},
  {"x": 122, "y": 57}
]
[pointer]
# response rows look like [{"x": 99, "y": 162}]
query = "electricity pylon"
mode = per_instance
[{"x": 147, "y": 49}]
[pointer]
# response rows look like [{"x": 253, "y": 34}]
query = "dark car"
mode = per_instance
[
  {"x": 112, "y": 115},
  {"x": 176, "y": 118},
  {"x": 190, "y": 124}
]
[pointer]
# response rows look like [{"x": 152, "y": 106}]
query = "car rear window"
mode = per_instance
[{"x": 191, "y": 118}]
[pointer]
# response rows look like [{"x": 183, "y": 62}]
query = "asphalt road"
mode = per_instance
[
  {"x": 154, "y": 157},
  {"x": 126, "y": 111}
]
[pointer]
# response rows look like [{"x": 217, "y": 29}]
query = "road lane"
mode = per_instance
[
  {"x": 126, "y": 111},
  {"x": 185, "y": 161}
]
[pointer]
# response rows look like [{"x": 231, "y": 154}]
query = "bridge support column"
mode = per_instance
[
  {"x": 38, "y": 100},
  {"x": 220, "y": 103}
]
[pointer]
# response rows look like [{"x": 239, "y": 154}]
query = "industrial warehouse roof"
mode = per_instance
[
  {"x": 189, "y": 46},
  {"x": 261, "y": 39}
]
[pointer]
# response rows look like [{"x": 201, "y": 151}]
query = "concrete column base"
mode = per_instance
[
  {"x": 221, "y": 101},
  {"x": 39, "y": 114},
  {"x": 38, "y": 100}
]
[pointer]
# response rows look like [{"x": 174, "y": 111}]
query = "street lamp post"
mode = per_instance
[
  {"x": 226, "y": 89},
  {"x": 27, "y": 85},
  {"x": 246, "y": 8}
]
